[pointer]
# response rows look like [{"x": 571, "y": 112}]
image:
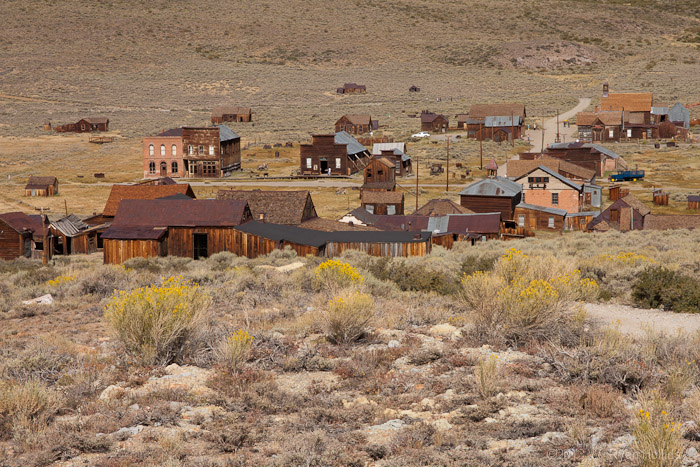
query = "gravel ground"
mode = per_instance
[{"x": 636, "y": 320}]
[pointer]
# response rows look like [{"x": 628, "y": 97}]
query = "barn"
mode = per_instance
[{"x": 41, "y": 186}]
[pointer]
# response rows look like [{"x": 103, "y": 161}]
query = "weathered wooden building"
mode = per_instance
[
  {"x": 379, "y": 175},
  {"x": 535, "y": 217},
  {"x": 693, "y": 202},
  {"x": 516, "y": 168},
  {"x": 340, "y": 153},
  {"x": 352, "y": 88},
  {"x": 383, "y": 202},
  {"x": 15, "y": 236},
  {"x": 430, "y": 121},
  {"x": 41, "y": 186},
  {"x": 192, "y": 152},
  {"x": 578, "y": 221},
  {"x": 73, "y": 236},
  {"x": 544, "y": 187},
  {"x": 230, "y": 113},
  {"x": 589, "y": 155},
  {"x": 599, "y": 127},
  {"x": 142, "y": 191},
  {"x": 414, "y": 89},
  {"x": 625, "y": 214},
  {"x": 277, "y": 207},
  {"x": 188, "y": 228},
  {"x": 496, "y": 194},
  {"x": 395, "y": 152},
  {"x": 356, "y": 124},
  {"x": 496, "y": 113},
  {"x": 635, "y": 105},
  {"x": 85, "y": 125},
  {"x": 440, "y": 207}
]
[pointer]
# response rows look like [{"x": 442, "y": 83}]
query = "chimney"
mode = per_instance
[{"x": 605, "y": 89}]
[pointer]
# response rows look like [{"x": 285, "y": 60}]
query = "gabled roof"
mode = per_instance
[
  {"x": 353, "y": 146},
  {"x": 492, "y": 165},
  {"x": 481, "y": 111},
  {"x": 39, "y": 182},
  {"x": 634, "y": 203},
  {"x": 387, "y": 185},
  {"x": 385, "y": 162},
  {"x": 451, "y": 223},
  {"x": 70, "y": 225},
  {"x": 629, "y": 101},
  {"x": 121, "y": 192},
  {"x": 554, "y": 174},
  {"x": 593, "y": 147},
  {"x": 328, "y": 225},
  {"x": 608, "y": 118},
  {"x": 279, "y": 207},
  {"x": 354, "y": 86},
  {"x": 221, "y": 110},
  {"x": 377, "y": 148},
  {"x": 441, "y": 207},
  {"x": 429, "y": 117},
  {"x": 226, "y": 134},
  {"x": 18, "y": 221},
  {"x": 694, "y": 198},
  {"x": 358, "y": 119},
  {"x": 171, "y": 132},
  {"x": 382, "y": 197},
  {"x": 497, "y": 186},
  {"x": 363, "y": 215},
  {"x": 554, "y": 211}
]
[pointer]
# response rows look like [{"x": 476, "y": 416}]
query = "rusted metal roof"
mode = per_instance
[
  {"x": 353, "y": 146},
  {"x": 180, "y": 213},
  {"x": 121, "y": 192},
  {"x": 70, "y": 225},
  {"x": 134, "y": 233},
  {"x": 35, "y": 182},
  {"x": 479, "y": 112},
  {"x": 278, "y": 207},
  {"x": 497, "y": 186},
  {"x": 430, "y": 117},
  {"x": 19, "y": 221},
  {"x": 533, "y": 207},
  {"x": 441, "y": 207},
  {"x": 358, "y": 119}
]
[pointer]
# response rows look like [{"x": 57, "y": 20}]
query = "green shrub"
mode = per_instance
[
  {"x": 658, "y": 286},
  {"x": 154, "y": 323}
]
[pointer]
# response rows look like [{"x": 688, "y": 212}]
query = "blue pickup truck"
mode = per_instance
[{"x": 627, "y": 175}]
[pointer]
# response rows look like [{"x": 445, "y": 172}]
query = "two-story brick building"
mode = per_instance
[
  {"x": 192, "y": 152},
  {"x": 544, "y": 187}
]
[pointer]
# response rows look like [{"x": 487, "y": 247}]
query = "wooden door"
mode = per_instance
[{"x": 200, "y": 245}]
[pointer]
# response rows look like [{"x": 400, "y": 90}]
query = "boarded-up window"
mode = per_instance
[
  {"x": 614, "y": 215},
  {"x": 550, "y": 223},
  {"x": 308, "y": 162},
  {"x": 337, "y": 162},
  {"x": 391, "y": 209},
  {"x": 521, "y": 220}
]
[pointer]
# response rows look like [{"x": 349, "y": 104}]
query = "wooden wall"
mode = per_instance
[
  {"x": 539, "y": 220},
  {"x": 395, "y": 249},
  {"x": 118, "y": 251},
  {"x": 502, "y": 204},
  {"x": 11, "y": 242},
  {"x": 324, "y": 146}
]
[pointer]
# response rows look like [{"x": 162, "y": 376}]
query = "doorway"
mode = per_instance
[
  {"x": 324, "y": 165},
  {"x": 200, "y": 245},
  {"x": 163, "y": 169}
]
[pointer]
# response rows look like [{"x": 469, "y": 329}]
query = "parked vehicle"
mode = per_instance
[
  {"x": 422, "y": 134},
  {"x": 627, "y": 175}
]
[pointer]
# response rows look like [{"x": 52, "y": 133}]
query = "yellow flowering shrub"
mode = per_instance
[
  {"x": 333, "y": 274},
  {"x": 234, "y": 351},
  {"x": 154, "y": 323},
  {"x": 60, "y": 280},
  {"x": 658, "y": 440},
  {"x": 627, "y": 258},
  {"x": 348, "y": 316}
]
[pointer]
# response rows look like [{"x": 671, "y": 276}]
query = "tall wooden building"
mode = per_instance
[
  {"x": 496, "y": 194},
  {"x": 379, "y": 175},
  {"x": 341, "y": 153},
  {"x": 395, "y": 152}
]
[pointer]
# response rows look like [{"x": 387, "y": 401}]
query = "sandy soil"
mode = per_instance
[
  {"x": 636, "y": 320},
  {"x": 550, "y": 126}
]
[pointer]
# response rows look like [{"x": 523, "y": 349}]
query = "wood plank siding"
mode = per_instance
[
  {"x": 118, "y": 251},
  {"x": 394, "y": 249}
]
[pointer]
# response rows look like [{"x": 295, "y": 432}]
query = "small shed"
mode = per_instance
[
  {"x": 379, "y": 175},
  {"x": 579, "y": 220},
  {"x": 660, "y": 198},
  {"x": 383, "y": 202},
  {"x": 693, "y": 201},
  {"x": 230, "y": 113},
  {"x": 73, "y": 236},
  {"x": 41, "y": 186},
  {"x": 15, "y": 236},
  {"x": 414, "y": 89},
  {"x": 352, "y": 88},
  {"x": 535, "y": 217}
]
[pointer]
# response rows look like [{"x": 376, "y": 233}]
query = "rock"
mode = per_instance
[
  {"x": 382, "y": 434},
  {"x": 393, "y": 344},
  {"x": 445, "y": 330},
  {"x": 127, "y": 432},
  {"x": 112, "y": 392},
  {"x": 299, "y": 383},
  {"x": 43, "y": 300},
  {"x": 200, "y": 414},
  {"x": 290, "y": 267},
  {"x": 442, "y": 424},
  {"x": 691, "y": 452},
  {"x": 189, "y": 379},
  {"x": 134, "y": 407},
  {"x": 362, "y": 400},
  {"x": 553, "y": 436},
  {"x": 427, "y": 403}
]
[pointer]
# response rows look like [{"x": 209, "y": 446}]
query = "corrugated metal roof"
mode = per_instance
[
  {"x": 226, "y": 134},
  {"x": 377, "y": 148},
  {"x": 499, "y": 121},
  {"x": 122, "y": 192},
  {"x": 115, "y": 232},
  {"x": 555, "y": 211},
  {"x": 583, "y": 214},
  {"x": 659, "y": 110},
  {"x": 694, "y": 198},
  {"x": 497, "y": 186},
  {"x": 18, "y": 221},
  {"x": 353, "y": 146},
  {"x": 179, "y": 213},
  {"x": 597, "y": 147},
  {"x": 70, "y": 225}
]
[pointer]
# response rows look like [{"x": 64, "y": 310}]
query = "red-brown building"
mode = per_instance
[
  {"x": 41, "y": 186},
  {"x": 589, "y": 155},
  {"x": 340, "y": 153},
  {"x": 355, "y": 124},
  {"x": 276, "y": 206},
  {"x": 379, "y": 175},
  {"x": 230, "y": 113},
  {"x": 430, "y": 121},
  {"x": 16, "y": 231},
  {"x": 85, "y": 125},
  {"x": 192, "y": 152},
  {"x": 493, "y": 117},
  {"x": 352, "y": 88},
  {"x": 546, "y": 188},
  {"x": 495, "y": 194},
  {"x": 383, "y": 202}
]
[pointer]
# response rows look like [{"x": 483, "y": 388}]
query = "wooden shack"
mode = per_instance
[
  {"x": 352, "y": 88},
  {"x": 142, "y": 191},
  {"x": 188, "y": 228},
  {"x": 476, "y": 120},
  {"x": 430, "y": 121},
  {"x": 588, "y": 155},
  {"x": 660, "y": 198},
  {"x": 275, "y": 206},
  {"x": 41, "y": 186},
  {"x": 495, "y": 194},
  {"x": 693, "y": 202},
  {"x": 85, "y": 125},
  {"x": 395, "y": 152},
  {"x": 379, "y": 175},
  {"x": 15, "y": 236},
  {"x": 230, "y": 113},
  {"x": 625, "y": 214},
  {"x": 534, "y": 217},
  {"x": 383, "y": 202},
  {"x": 414, "y": 89},
  {"x": 73, "y": 236},
  {"x": 616, "y": 192},
  {"x": 579, "y": 220},
  {"x": 355, "y": 124}
]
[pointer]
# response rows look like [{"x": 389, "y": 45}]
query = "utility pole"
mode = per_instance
[
  {"x": 512, "y": 132},
  {"x": 558, "y": 138},
  {"x": 481, "y": 149},
  {"x": 542, "y": 146},
  {"x": 417, "y": 168},
  {"x": 45, "y": 252},
  {"x": 447, "y": 171}
]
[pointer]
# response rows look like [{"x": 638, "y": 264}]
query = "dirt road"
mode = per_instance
[
  {"x": 550, "y": 126},
  {"x": 635, "y": 320}
]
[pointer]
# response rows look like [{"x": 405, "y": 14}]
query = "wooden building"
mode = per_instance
[
  {"x": 383, "y": 202},
  {"x": 599, "y": 127},
  {"x": 578, "y": 221},
  {"x": 414, "y": 89},
  {"x": 535, "y": 217},
  {"x": 85, "y": 125},
  {"x": 277, "y": 207},
  {"x": 635, "y": 105},
  {"x": 356, "y": 124},
  {"x": 625, "y": 214},
  {"x": 496, "y": 114},
  {"x": 430, "y": 121},
  {"x": 395, "y": 152},
  {"x": 544, "y": 187},
  {"x": 441, "y": 207},
  {"x": 188, "y": 228},
  {"x": 496, "y": 194},
  {"x": 230, "y": 113},
  {"x": 73, "y": 236},
  {"x": 16, "y": 236},
  {"x": 192, "y": 152},
  {"x": 516, "y": 168},
  {"x": 589, "y": 155},
  {"x": 462, "y": 121},
  {"x": 693, "y": 202},
  {"x": 340, "y": 153},
  {"x": 379, "y": 175},
  {"x": 352, "y": 88},
  {"x": 660, "y": 198},
  {"x": 41, "y": 186},
  {"x": 500, "y": 128},
  {"x": 141, "y": 191}
]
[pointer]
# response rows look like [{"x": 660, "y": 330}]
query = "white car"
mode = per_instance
[{"x": 422, "y": 134}]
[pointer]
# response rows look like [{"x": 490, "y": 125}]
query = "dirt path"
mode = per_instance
[
  {"x": 550, "y": 126},
  {"x": 636, "y": 320}
]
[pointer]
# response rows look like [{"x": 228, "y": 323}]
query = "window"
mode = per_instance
[
  {"x": 308, "y": 162},
  {"x": 555, "y": 199},
  {"x": 150, "y": 150},
  {"x": 201, "y": 150},
  {"x": 391, "y": 209},
  {"x": 173, "y": 168},
  {"x": 614, "y": 215},
  {"x": 611, "y": 134},
  {"x": 538, "y": 179},
  {"x": 190, "y": 149},
  {"x": 152, "y": 168},
  {"x": 337, "y": 162},
  {"x": 370, "y": 208},
  {"x": 521, "y": 220},
  {"x": 211, "y": 150},
  {"x": 550, "y": 223},
  {"x": 629, "y": 133},
  {"x": 173, "y": 150},
  {"x": 162, "y": 149}
]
